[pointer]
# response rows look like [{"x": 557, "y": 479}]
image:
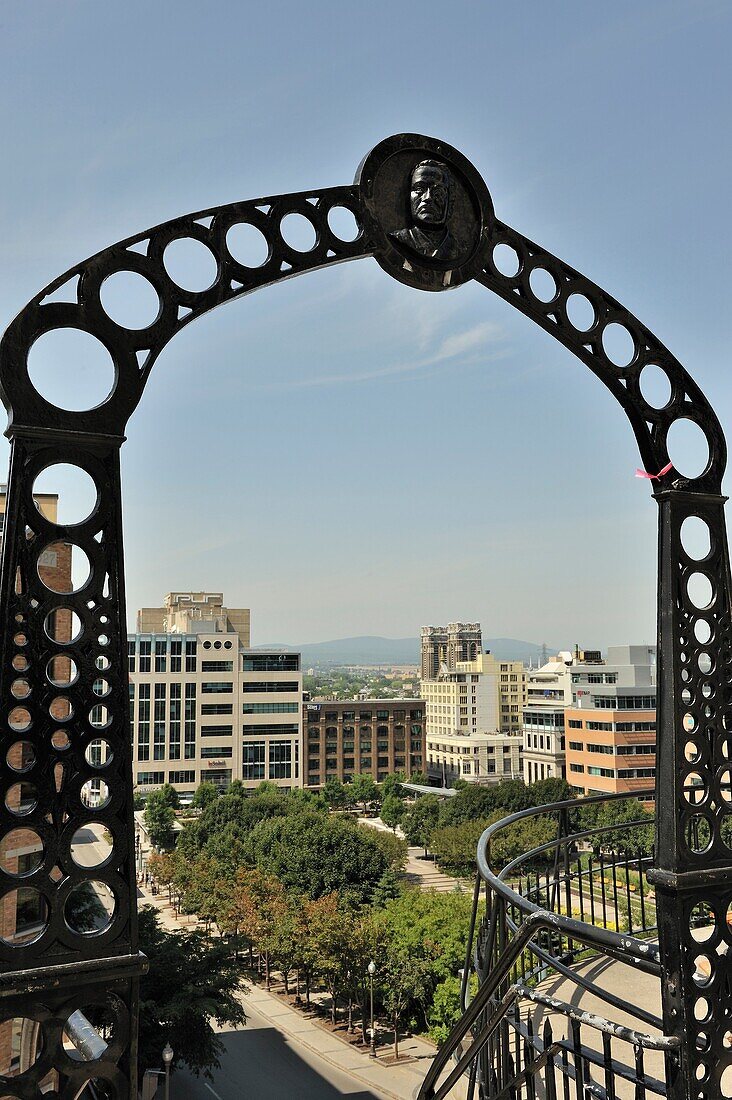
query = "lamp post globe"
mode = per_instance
[
  {"x": 371, "y": 968},
  {"x": 167, "y": 1059}
]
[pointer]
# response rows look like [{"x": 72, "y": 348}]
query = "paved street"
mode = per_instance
[{"x": 262, "y": 1063}]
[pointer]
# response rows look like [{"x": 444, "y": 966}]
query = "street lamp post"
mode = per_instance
[
  {"x": 167, "y": 1059},
  {"x": 372, "y": 970}
]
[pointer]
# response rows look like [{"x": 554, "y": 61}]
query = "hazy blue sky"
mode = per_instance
[{"x": 343, "y": 454}]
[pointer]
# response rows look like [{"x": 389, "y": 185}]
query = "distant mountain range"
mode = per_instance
[{"x": 369, "y": 650}]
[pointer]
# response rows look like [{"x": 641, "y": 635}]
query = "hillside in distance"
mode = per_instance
[{"x": 373, "y": 650}]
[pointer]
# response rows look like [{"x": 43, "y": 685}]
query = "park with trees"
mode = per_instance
[{"x": 292, "y": 890}]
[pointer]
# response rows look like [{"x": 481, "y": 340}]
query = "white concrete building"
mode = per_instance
[
  {"x": 204, "y": 706},
  {"x": 548, "y": 692}
]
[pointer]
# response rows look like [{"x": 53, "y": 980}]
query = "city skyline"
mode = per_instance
[{"x": 345, "y": 455}]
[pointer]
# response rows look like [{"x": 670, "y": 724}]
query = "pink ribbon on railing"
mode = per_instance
[{"x": 654, "y": 477}]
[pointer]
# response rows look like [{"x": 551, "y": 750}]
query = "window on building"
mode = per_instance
[
  {"x": 161, "y": 650},
  {"x": 217, "y": 666},
  {"x": 253, "y": 759},
  {"x": 145, "y": 649},
  {"x": 272, "y": 662},
  {"x": 190, "y": 654},
  {"x": 573, "y": 767},
  {"x": 189, "y": 749},
  {"x": 176, "y": 650},
  {"x": 159, "y": 722},
  {"x": 217, "y": 708},
  {"x": 181, "y": 777},
  {"x": 131, "y": 655},
  {"x": 280, "y": 759},
  {"x": 249, "y": 687},
  {"x": 210, "y": 752},
  {"x": 271, "y": 708},
  {"x": 151, "y": 779},
  {"x": 143, "y": 723},
  {"x": 174, "y": 717}
]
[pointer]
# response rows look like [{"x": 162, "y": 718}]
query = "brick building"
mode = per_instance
[{"x": 369, "y": 736}]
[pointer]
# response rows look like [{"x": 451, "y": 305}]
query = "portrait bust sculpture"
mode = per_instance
[{"x": 430, "y": 199}]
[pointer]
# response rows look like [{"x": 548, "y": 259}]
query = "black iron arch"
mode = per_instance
[{"x": 423, "y": 212}]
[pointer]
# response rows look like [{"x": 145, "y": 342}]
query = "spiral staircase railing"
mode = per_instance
[{"x": 535, "y": 1022}]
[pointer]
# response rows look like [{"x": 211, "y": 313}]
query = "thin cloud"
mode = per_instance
[{"x": 467, "y": 346}]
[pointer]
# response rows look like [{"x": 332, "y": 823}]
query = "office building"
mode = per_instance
[
  {"x": 611, "y": 723},
  {"x": 476, "y": 758},
  {"x": 548, "y": 693},
  {"x": 512, "y": 695},
  {"x": 206, "y": 707},
  {"x": 444, "y": 646},
  {"x": 370, "y": 736}
]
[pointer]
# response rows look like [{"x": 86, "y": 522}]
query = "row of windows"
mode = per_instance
[
  {"x": 149, "y": 779},
  {"x": 617, "y": 750},
  {"x": 618, "y": 727},
  {"x": 271, "y": 708},
  {"x": 249, "y": 687},
  {"x": 554, "y": 719},
  {"x": 625, "y": 702},
  {"x": 280, "y": 760},
  {"x": 315, "y": 716}
]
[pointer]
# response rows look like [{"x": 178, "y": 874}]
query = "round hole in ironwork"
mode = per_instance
[
  {"x": 707, "y": 690},
  {"x": 71, "y": 369},
  {"x": 24, "y": 914},
  {"x": 247, "y": 245},
  {"x": 20, "y": 689},
  {"x": 63, "y": 567},
  {"x": 90, "y": 845},
  {"x": 101, "y": 688},
  {"x": 95, "y": 794},
  {"x": 702, "y": 922},
  {"x": 655, "y": 386},
  {"x": 727, "y": 1040},
  {"x": 63, "y": 626},
  {"x": 703, "y": 970},
  {"x": 700, "y": 590},
  {"x": 618, "y": 344},
  {"x": 19, "y": 719},
  {"x": 20, "y": 663},
  {"x": 701, "y": 1071},
  {"x": 698, "y": 834},
  {"x": 99, "y": 717},
  {"x": 103, "y": 663},
  {"x": 90, "y": 908},
  {"x": 695, "y": 537},
  {"x": 702, "y": 631},
  {"x": 543, "y": 284},
  {"x": 692, "y": 752},
  {"x": 581, "y": 312},
  {"x": 99, "y": 753},
  {"x": 60, "y": 740},
  {"x": 695, "y": 789},
  {"x": 687, "y": 447},
  {"x": 21, "y": 852},
  {"x": 298, "y": 232},
  {"x": 21, "y": 1035},
  {"x": 61, "y": 708},
  {"x": 130, "y": 300},
  {"x": 76, "y": 489},
  {"x": 725, "y": 785},
  {"x": 76, "y": 1045},
  {"x": 61, "y": 671},
  {"x": 506, "y": 260},
  {"x": 21, "y": 799},
  {"x": 342, "y": 224},
  {"x": 21, "y": 756},
  {"x": 725, "y": 1082},
  {"x": 701, "y": 1009},
  {"x": 190, "y": 264}
]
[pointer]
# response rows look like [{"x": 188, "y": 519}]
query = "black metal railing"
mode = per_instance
[{"x": 536, "y": 1022}]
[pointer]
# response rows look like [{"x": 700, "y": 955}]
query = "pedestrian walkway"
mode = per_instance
[{"x": 398, "y": 1081}]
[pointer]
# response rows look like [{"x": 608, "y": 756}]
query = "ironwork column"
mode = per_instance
[{"x": 693, "y": 863}]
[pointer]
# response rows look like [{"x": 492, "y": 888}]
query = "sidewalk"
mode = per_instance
[{"x": 388, "y": 1081}]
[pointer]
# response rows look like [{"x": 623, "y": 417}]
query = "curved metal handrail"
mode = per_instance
[{"x": 497, "y": 943}]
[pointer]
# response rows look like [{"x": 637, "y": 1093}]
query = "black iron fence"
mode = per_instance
[{"x": 545, "y": 1016}]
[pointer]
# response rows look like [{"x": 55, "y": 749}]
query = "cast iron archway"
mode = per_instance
[{"x": 61, "y": 971}]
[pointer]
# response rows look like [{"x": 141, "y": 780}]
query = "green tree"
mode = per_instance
[
  {"x": 362, "y": 791},
  {"x": 393, "y": 785},
  {"x": 206, "y": 793},
  {"x": 191, "y": 982},
  {"x": 404, "y": 980},
  {"x": 420, "y": 819},
  {"x": 169, "y": 796},
  {"x": 391, "y": 846},
  {"x": 473, "y": 801},
  {"x": 392, "y": 810},
  {"x": 552, "y": 789},
  {"x": 334, "y": 793},
  {"x": 318, "y": 854},
  {"x": 159, "y": 817}
]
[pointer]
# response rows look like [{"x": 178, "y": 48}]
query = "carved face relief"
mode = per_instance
[{"x": 430, "y": 194}]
